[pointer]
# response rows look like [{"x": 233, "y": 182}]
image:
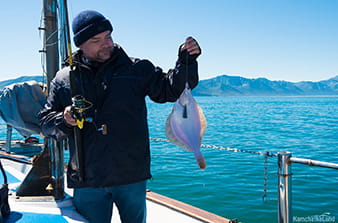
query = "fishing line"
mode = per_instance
[
  {"x": 187, "y": 69},
  {"x": 185, "y": 111}
]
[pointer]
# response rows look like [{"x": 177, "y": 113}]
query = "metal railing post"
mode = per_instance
[
  {"x": 57, "y": 168},
  {"x": 9, "y": 138},
  {"x": 284, "y": 187}
]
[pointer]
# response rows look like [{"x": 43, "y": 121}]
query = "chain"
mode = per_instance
[
  {"x": 158, "y": 139},
  {"x": 239, "y": 150},
  {"x": 265, "y": 193},
  {"x": 224, "y": 148},
  {"x": 265, "y": 154}
]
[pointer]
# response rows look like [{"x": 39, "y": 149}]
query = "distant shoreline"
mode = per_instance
[{"x": 226, "y": 86}]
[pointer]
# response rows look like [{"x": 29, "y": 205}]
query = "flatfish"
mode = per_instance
[{"x": 186, "y": 124}]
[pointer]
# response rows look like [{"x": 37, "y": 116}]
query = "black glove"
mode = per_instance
[{"x": 185, "y": 58}]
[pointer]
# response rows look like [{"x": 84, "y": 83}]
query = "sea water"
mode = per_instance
[{"x": 232, "y": 185}]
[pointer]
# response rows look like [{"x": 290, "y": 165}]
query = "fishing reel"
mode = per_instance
[{"x": 78, "y": 108}]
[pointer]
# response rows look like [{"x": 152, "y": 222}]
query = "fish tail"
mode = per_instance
[{"x": 200, "y": 160}]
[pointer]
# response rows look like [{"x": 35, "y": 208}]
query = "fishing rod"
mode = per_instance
[{"x": 77, "y": 108}]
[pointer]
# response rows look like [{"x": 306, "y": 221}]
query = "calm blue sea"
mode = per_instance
[{"x": 232, "y": 185}]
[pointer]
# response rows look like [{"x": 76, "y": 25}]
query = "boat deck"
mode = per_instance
[{"x": 46, "y": 209}]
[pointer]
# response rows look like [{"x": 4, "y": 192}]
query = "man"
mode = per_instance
[{"x": 115, "y": 139}]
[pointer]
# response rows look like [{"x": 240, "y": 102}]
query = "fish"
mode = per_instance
[{"x": 186, "y": 124}]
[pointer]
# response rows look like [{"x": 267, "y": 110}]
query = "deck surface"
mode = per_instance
[{"x": 46, "y": 209}]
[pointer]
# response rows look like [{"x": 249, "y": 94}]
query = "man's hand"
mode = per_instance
[
  {"x": 67, "y": 115},
  {"x": 191, "y": 46}
]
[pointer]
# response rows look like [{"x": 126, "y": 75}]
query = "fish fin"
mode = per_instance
[{"x": 203, "y": 121}]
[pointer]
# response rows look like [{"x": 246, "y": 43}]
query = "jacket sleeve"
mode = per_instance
[
  {"x": 167, "y": 87},
  {"x": 51, "y": 116}
]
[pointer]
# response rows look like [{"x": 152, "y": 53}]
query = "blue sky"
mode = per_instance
[{"x": 291, "y": 40}]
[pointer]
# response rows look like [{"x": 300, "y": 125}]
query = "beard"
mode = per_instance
[{"x": 104, "y": 54}]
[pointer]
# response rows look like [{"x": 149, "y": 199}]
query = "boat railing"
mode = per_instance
[
  {"x": 284, "y": 175},
  {"x": 9, "y": 138},
  {"x": 285, "y": 159},
  {"x": 15, "y": 158},
  {"x": 284, "y": 182},
  {"x": 7, "y": 153}
]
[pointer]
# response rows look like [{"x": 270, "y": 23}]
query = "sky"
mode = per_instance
[{"x": 292, "y": 40}]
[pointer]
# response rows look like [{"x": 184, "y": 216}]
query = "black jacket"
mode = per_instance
[{"x": 117, "y": 90}]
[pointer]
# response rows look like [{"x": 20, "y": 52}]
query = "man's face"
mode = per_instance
[{"x": 99, "y": 48}]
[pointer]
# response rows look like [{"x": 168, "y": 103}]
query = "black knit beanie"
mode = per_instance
[{"x": 88, "y": 24}]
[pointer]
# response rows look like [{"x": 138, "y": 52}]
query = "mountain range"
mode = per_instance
[
  {"x": 225, "y": 85},
  {"x": 239, "y": 86}
]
